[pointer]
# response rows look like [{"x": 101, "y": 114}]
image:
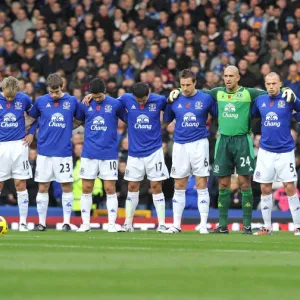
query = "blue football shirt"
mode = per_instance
[
  {"x": 55, "y": 124},
  {"x": 12, "y": 120}
]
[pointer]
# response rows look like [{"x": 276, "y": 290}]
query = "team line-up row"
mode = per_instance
[{"x": 56, "y": 114}]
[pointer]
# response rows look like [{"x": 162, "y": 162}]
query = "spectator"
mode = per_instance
[{"x": 21, "y": 25}]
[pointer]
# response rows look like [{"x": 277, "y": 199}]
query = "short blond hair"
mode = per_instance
[{"x": 10, "y": 85}]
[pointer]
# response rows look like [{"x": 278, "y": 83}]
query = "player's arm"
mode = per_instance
[
  {"x": 32, "y": 114},
  {"x": 255, "y": 111},
  {"x": 169, "y": 115},
  {"x": 213, "y": 92},
  {"x": 79, "y": 115},
  {"x": 122, "y": 113},
  {"x": 296, "y": 107},
  {"x": 254, "y": 93},
  {"x": 87, "y": 99},
  {"x": 28, "y": 139},
  {"x": 77, "y": 123},
  {"x": 213, "y": 107}
]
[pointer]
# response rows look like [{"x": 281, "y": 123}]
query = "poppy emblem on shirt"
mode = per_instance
[
  {"x": 98, "y": 107},
  {"x": 56, "y": 104},
  {"x": 272, "y": 103},
  {"x": 188, "y": 105},
  {"x": 8, "y": 105},
  {"x": 142, "y": 106},
  {"x": 229, "y": 96}
]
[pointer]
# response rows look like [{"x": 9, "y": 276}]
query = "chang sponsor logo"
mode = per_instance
[
  {"x": 189, "y": 120},
  {"x": 57, "y": 120},
  {"x": 9, "y": 120},
  {"x": 142, "y": 122},
  {"x": 98, "y": 124},
  {"x": 229, "y": 111},
  {"x": 271, "y": 120}
]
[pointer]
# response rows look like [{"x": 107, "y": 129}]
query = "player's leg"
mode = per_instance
[
  {"x": 203, "y": 202},
  {"x": 134, "y": 173},
  {"x": 294, "y": 204},
  {"x": 111, "y": 204},
  {"x": 265, "y": 174},
  {"x": 42, "y": 202},
  {"x": 23, "y": 201},
  {"x": 86, "y": 203},
  {"x": 178, "y": 201},
  {"x": 21, "y": 170},
  {"x": 199, "y": 158},
  {"x": 223, "y": 168},
  {"x": 180, "y": 171},
  {"x": 108, "y": 172},
  {"x": 223, "y": 204},
  {"x": 63, "y": 172},
  {"x": 131, "y": 204},
  {"x": 89, "y": 169},
  {"x": 157, "y": 171},
  {"x": 286, "y": 172},
  {"x": 247, "y": 202},
  {"x": 67, "y": 204},
  {"x": 242, "y": 147},
  {"x": 43, "y": 175}
]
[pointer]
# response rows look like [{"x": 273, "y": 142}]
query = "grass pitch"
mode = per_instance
[{"x": 148, "y": 265}]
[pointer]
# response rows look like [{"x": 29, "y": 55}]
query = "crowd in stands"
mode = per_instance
[{"x": 150, "y": 41}]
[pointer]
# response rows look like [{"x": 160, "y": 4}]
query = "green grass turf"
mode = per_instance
[{"x": 148, "y": 265}]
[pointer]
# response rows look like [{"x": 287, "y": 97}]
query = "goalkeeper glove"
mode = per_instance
[
  {"x": 289, "y": 95},
  {"x": 173, "y": 95}
]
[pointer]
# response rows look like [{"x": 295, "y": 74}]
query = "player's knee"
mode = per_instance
[
  {"x": 290, "y": 188},
  {"x": 110, "y": 190},
  {"x": 266, "y": 189},
  {"x": 1, "y": 186},
  {"x": 180, "y": 185},
  {"x": 66, "y": 187},
  {"x": 133, "y": 186},
  {"x": 156, "y": 187},
  {"x": 20, "y": 185},
  {"x": 44, "y": 187}
]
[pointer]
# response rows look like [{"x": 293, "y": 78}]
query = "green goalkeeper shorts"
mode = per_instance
[{"x": 234, "y": 152}]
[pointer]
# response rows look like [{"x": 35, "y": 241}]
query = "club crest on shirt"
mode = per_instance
[
  {"x": 108, "y": 108},
  {"x": 239, "y": 95},
  {"x": 66, "y": 105},
  {"x": 281, "y": 104},
  {"x": 18, "y": 105},
  {"x": 198, "y": 105},
  {"x": 152, "y": 107}
]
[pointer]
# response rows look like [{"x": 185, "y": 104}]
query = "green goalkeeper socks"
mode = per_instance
[
  {"x": 223, "y": 205},
  {"x": 247, "y": 202}
]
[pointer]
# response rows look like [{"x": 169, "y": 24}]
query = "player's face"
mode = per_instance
[
  {"x": 188, "y": 86},
  {"x": 143, "y": 100},
  {"x": 231, "y": 79},
  {"x": 8, "y": 96},
  {"x": 55, "y": 93},
  {"x": 273, "y": 85},
  {"x": 98, "y": 97}
]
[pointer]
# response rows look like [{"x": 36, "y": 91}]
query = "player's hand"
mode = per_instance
[
  {"x": 28, "y": 139},
  {"x": 289, "y": 95},
  {"x": 173, "y": 95},
  {"x": 87, "y": 99}
]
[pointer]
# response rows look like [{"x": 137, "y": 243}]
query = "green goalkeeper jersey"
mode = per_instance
[{"x": 234, "y": 109}]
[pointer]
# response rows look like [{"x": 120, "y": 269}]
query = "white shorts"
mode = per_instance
[
  {"x": 153, "y": 166},
  {"x": 190, "y": 158},
  {"x": 58, "y": 169},
  {"x": 14, "y": 161},
  {"x": 104, "y": 169},
  {"x": 272, "y": 167}
]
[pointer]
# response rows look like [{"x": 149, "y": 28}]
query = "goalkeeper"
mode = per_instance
[{"x": 234, "y": 147}]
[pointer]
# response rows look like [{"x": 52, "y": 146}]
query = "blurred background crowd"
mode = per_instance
[{"x": 127, "y": 41}]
